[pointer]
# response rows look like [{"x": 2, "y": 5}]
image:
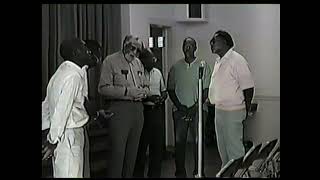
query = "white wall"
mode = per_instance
[
  {"x": 125, "y": 20},
  {"x": 140, "y": 15},
  {"x": 265, "y": 125},
  {"x": 256, "y": 32}
]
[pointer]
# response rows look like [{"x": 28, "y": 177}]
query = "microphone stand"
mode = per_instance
[{"x": 200, "y": 155}]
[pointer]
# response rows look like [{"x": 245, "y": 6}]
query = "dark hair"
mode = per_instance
[
  {"x": 190, "y": 38},
  {"x": 146, "y": 53},
  {"x": 68, "y": 46},
  {"x": 94, "y": 46},
  {"x": 225, "y": 35}
]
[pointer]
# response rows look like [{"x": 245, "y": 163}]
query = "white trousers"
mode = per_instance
[{"x": 68, "y": 156}]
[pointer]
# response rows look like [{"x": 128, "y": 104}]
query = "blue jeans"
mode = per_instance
[{"x": 181, "y": 131}]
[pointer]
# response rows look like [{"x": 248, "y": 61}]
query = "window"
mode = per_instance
[{"x": 194, "y": 11}]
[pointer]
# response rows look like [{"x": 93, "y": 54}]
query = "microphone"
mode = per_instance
[{"x": 202, "y": 63}]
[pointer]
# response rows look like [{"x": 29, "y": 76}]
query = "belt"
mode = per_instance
[
  {"x": 151, "y": 106},
  {"x": 121, "y": 100}
]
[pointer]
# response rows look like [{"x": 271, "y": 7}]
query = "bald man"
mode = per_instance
[
  {"x": 183, "y": 92},
  {"x": 123, "y": 84}
]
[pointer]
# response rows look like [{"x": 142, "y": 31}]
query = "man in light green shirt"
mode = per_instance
[{"x": 182, "y": 87}]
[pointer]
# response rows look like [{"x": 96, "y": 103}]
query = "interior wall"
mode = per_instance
[{"x": 255, "y": 29}]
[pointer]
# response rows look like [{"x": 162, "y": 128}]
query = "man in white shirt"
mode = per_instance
[
  {"x": 64, "y": 112},
  {"x": 231, "y": 90},
  {"x": 152, "y": 134}
]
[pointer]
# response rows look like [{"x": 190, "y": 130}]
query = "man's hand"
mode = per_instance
[
  {"x": 136, "y": 94},
  {"x": 161, "y": 99},
  {"x": 182, "y": 108},
  {"x": 154, "y": 98},
  {"x": 47, "y": 150},
  {"x": 107, "y": 114},
  {"x": 192, "y": 111},
  {"x": 248, "y": 107},
  {"x": 158, "y": 100}
]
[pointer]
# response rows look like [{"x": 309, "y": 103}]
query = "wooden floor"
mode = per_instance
[
  {"x": 212, "y": 164},
  {"x": 99, "y": 151}
]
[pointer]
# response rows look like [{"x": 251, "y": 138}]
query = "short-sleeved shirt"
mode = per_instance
[
  {"x": 156, "y": 83},
  {"x": 183, "y": 78},
  {"x": 231, "y": 75},
  {"x": 117, "y": 74}
]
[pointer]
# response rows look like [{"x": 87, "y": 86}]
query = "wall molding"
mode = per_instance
[{"x": 266, "y": 98}]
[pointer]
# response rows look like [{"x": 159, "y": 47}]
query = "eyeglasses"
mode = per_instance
[
  {"x": 154, "y": 59},
  {"x": 89, "y": 52},
  {"x": 133, "y": 48}
]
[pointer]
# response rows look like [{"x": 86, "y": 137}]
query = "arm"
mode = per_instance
[
  {"x": 206, "y": 82},
  {"x": 205, "y": 95},
  {"x": 163, "y": 89},
  {"x": 176, "y": 101},
  {"x": 90, "y": 106},
  {"x": 144, "y": 80},
  {"x": 164, "y": 96},
  {"x": 246, "y": 83},
  {"x": 63, "y": 109},
  {"x": 248, "y": 94},
  {"x": 45, "y": 114},
  {"x": 171, "y": 92}
]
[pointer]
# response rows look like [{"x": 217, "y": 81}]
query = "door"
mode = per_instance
[{"x": 155, "y": 32}]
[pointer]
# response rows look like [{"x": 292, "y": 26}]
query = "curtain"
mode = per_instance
[{"x": 86, "y": 21}]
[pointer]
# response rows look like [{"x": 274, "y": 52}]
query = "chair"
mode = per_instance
[
  {"x": 273, "y": 152},
  {"x": 276, "y": 165},
  {"x": 271, "y": 166},
  {"x": 230, "y": 168},
  {"x": 264, "y": 153},
  {"x": 248, "y": 159}
]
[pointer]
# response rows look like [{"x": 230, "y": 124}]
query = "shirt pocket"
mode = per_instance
[{"x": 120, "y": 79}]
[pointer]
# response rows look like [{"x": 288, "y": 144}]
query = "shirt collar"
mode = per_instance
[
  {"x": 226, "y": 56},
  {"x": 151, "y": 71},
  {"x": 81, "y": 71},
  {"x": 189, "y": 65}
]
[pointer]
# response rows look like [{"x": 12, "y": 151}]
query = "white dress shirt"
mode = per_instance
[
  {"x": 63, "y": 106},
  {"x": 231, "y": 75}
]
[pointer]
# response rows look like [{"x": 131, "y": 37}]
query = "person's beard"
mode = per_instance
[{"x": 129, "y": 55}]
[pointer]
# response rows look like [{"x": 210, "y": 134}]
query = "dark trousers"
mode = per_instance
[
  {"x": 125, "y": 130},
  {"x": 181, "y": 131},
  {"x": 153, "y": 136}
]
